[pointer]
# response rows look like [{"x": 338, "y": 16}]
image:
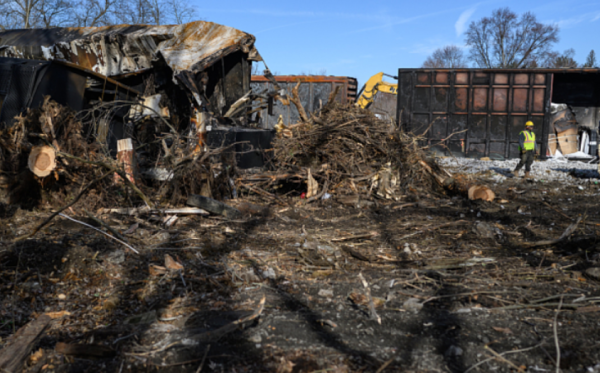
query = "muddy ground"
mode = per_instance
[{"x": 456, "y": 285}]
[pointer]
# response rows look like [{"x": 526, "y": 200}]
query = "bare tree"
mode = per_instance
[
  {"x": 590, "y": 61},
  {"x": 449, "y": 56},
  {"x": 564, "y": 60},
  {"x": 180, "y": 11},
  {"x": 93, "y": 13},
  {"x": 503, "y": 40},
  {"x": 55, "y": 13},
  {"x": 25, "y": 13}
]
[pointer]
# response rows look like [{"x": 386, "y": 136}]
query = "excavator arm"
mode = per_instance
[{"x": 372, "y": 86}]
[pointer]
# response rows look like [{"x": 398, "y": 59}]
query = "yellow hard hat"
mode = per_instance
[{"x": 529, "y": 124}]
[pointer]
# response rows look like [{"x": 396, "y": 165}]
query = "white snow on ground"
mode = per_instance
[{"x": 580, "y": 173}]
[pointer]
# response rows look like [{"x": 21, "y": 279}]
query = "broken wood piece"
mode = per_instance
[
  {"x": 373, "y": 313},
  {"x": 570, "y": 229},
  {"x": 213, "y": 206},
  {"x": 355, "y": 237},
  {"x": 295, "y": 99},
  {"x": 312, "y": 187},
  {"x": 172, "y": 264},
  {"x": 42, "y": 160},
  {"x": 84, "y": 350},
  {"x": 147, "y": 210},
  {"x": 19, "y": 346},
  {"x": 355, "y": 254},
  {"x": 476, "y": 192},
  {"x": 126, "y": 157}
]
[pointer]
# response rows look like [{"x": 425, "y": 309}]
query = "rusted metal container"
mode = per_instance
[
  {"x": 314, "y": 91},
  {"x": 480, "y": 112}
]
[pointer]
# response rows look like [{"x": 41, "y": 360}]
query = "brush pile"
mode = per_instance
[
  {"x": 49, "y": 154},
  {"x": 347, "y": 151}
]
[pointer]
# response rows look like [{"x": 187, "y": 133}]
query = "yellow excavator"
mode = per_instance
[{"x": 378, "y": 96}]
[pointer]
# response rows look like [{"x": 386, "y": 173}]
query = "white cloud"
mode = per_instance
[
  {"x": 596, "y": 18},
  {"x": 461, "y": 23}
]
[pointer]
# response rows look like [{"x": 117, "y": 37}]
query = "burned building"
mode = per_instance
[
  {"x": 190, "y": 73},
  {"x": 209, "y": 63},
  {"x": 480, "y": 112}
]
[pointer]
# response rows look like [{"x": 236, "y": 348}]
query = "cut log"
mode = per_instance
[
  {"x": 213, "y": 206},
  {"x": 476, "y": 192},
  {"x": 126, "y": 157},
  {"x": 12, "y": 357},
  {"x": 42, "y": 160}
]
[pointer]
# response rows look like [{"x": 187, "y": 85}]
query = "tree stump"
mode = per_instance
[{"x": 42, "y": 160}]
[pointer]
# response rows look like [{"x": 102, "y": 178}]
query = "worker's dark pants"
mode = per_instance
[{"x": 526, "y": 160}]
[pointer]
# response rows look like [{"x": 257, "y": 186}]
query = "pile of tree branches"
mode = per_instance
[{"x": 346, "y": 150}]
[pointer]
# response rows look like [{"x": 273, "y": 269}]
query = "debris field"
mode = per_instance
[{"x": 351, "y": 251}]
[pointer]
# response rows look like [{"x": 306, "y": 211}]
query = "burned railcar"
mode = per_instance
[{"x": 480, "y": 112}]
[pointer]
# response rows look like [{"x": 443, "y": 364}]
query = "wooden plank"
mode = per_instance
[{"x": 13, "y": 356}]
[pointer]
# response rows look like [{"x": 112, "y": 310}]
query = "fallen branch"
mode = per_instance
[
  {"x": 570, "y": 229},
  {"x": 13, "y": 356},
  {"x": 43, "y": 224},
  {"x": 295, "y": 99},
  {"x": 102, "y": 223},
  {"x": 555, "y": 329},
  {"x": 98, "y": 230}
]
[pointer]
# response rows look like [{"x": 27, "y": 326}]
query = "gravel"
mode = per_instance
[{"x": 556, "y": 170}]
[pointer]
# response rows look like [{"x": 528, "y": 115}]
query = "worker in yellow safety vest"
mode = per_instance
[{"x": 527, "y": 148}]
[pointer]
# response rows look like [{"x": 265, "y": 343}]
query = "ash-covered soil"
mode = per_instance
[{"x": 455, "y": 286}]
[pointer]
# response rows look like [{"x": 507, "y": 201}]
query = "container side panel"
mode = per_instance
[
  {"x": 438, "y": 129},
  {"x": 498, "y": 127},
  {"x": 462, "y": 78},
  {"x": 481, "y": 78},
  {"x": 480, "y": 99},
  {"x": 497, "y": 149},
  {"x": 420, "y": 123},
  {"x": 441, "y": 78},
  {"x": 460, "y": 102},
  {"x": 521, "y": 79},
  {"x": 423, "y": 78},
  {"x": 440, "y": 100},
  {"x": 477, "y": 127},
  {"x": 500, "y": 103},
  {"x": 321, "y": 93},
  {"x": 520, "y": 100},
  {"x": 516, "y": 126},
  {"x": 538, "y": 100},
  {"x": 540, "y": 79},
  {"x": 421, "y": 100},
  {"x": 501, "y": 79}
]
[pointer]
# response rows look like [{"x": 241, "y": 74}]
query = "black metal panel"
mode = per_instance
[
  {"x": 20, "y": 90},
  {"x": 477, "y": 112},
  {"x": 252, "y": 147}
]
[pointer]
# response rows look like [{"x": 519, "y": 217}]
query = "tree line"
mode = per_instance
[
  {"x": 26, "y": 14},
  {"x": 506, "y": 40}
]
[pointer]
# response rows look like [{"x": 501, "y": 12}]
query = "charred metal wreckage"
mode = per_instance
[{"x": 197, "y": 74}]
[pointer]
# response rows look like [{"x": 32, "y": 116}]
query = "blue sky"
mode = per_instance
[{"x": 361, "y": 38}]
